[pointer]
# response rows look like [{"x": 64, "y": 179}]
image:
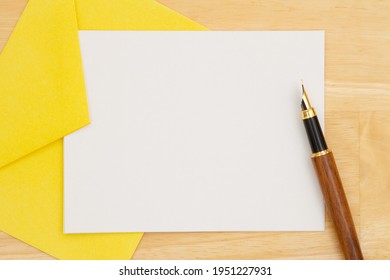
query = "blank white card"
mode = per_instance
[{"x": 195, "y": 131}]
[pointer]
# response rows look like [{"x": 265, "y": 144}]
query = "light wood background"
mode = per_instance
[{"x": 357, "y": 120}]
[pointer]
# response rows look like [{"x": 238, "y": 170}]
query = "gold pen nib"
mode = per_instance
[{"x": 305, "y": 105}]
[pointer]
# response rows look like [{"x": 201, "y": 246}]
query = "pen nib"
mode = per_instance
[{"x": 305, "y": 104}]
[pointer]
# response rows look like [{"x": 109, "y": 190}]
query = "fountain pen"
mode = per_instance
[{"x": 330, "y": 182}]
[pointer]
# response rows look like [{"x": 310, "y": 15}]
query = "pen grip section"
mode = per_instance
[
  {"x": 337, "y": 205},
  {"x": 315, "y": 135}
]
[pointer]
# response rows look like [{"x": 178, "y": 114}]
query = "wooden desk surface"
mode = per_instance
[{"x": 357, "y": 126}]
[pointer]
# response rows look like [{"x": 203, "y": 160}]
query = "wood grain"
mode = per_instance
[
  {"x": 337, "y": 205},
  {"x": 375, "y": 184},
  {"x": 357, "y": 99}
]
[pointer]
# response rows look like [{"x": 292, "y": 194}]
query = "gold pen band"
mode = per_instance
[
  {"x": 322, "y": 153},
  {"x": 309, "y": 113}
]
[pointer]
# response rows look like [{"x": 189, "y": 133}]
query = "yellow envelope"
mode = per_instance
[{"x": 42, "y": 99}]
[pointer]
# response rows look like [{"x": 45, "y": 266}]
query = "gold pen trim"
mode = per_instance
[
  {"x": 309, "y": 113},
  {"x": 322, "y": 153}
]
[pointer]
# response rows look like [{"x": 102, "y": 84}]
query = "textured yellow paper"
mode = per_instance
[
  {"x": 42, "y": 99},
  {"x": 130, "y": 15},
  {"x": 41, "y": 80}
]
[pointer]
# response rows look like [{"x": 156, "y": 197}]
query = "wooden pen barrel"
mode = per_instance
[{"x": 337, "y": 204}]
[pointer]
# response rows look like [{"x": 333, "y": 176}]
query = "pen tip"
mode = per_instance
[{"x": 305, "y": 104}]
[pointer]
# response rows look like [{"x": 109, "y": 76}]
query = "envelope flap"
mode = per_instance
[{"x": 42, "y": 92}]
